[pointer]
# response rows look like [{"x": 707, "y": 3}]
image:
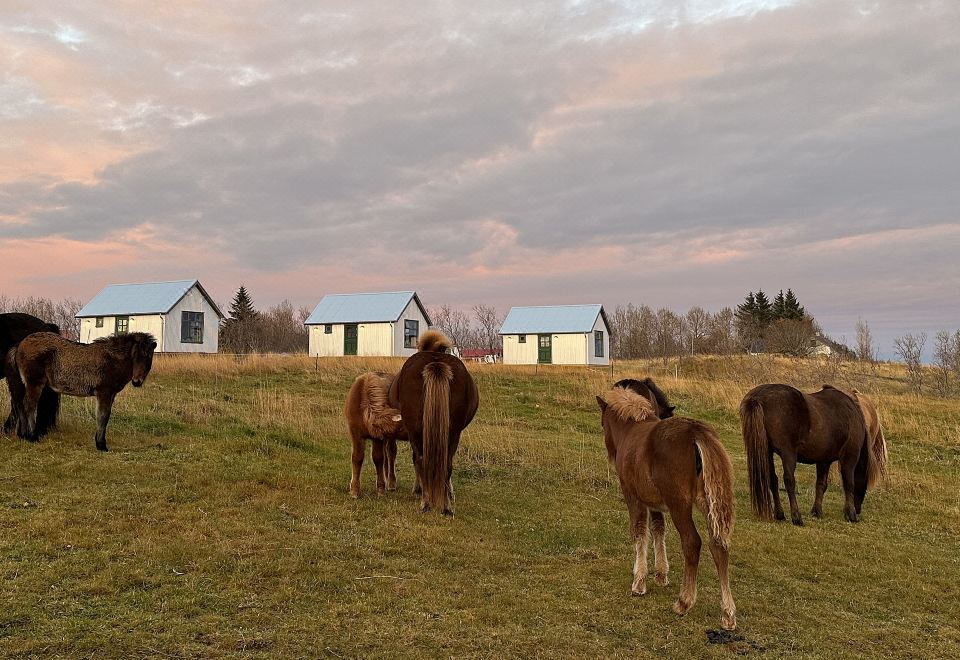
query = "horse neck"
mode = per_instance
[{"x": 621, "y": 428}]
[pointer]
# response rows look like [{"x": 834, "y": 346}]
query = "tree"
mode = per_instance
[
  {"x": 723, "y": 332},
  {"x": 792, "y": 309},
  {"x": 943, "y": 362},
  {"x": 697, "y": 321},
  {"x": 453, "y": 323},
  {"x": 241, "y": 309},
  {"x": 790, "y": 337},
  {"x": 910, "y": 348},
  {"x": 866, "y": 351},
  {"x": 779, "y": 306},
  {"x": 764, "y": 309},
  {"x": 240, "y": 332},
  {"x": 488, "y": 327}
]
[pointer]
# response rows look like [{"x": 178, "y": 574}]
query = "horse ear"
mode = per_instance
[
  {"x": 153, "y": 345},
  {"x": 671, "y": 408},
  {"x": 653, "y": 400},
  {"x": 602, "y": 404}
]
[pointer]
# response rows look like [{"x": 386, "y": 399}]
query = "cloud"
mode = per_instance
[{"x": 515, "y": 154}]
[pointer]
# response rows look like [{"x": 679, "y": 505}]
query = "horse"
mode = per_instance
[
  {"x": 878, "y": 442},
  {"x": 671, "y": 465},
  {"x": 437, "y": 399},
  {"x": 14, "y": 326},
  {"x": 369, "y": 417},
  {"x": 101, "y": 369},
  {"x": 646, "y": 388},
  {"x": 819, "y": 428}
]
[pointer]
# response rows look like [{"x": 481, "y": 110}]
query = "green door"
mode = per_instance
[
  {"x": 545, "y": 349},
  {"x": 350, "y": 339}
]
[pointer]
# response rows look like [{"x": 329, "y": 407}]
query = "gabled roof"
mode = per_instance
[
  {"x": 552, "y": 318},
  {"x": 364, "y": 308},
  {"x": 145, "y": 298}
]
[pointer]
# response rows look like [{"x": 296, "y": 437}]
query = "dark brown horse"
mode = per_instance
[
  {"x": 671, "y": 465},
  {"x": 437, "y": 399},
  {"x": 818, "y": 428},
  {"x": 101, "y": 369},
  {"x": 647, "y": 389},
  {"x": 14, "y": 327},
  {"x": 370, "y": 418}
]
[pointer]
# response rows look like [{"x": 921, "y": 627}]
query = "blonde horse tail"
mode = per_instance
[
  {"x": 436, "y": 432},
  {"x": 881, "y": 458},
  {"x": 718, "y": 487},
  {"x": 758, "y": 457}
]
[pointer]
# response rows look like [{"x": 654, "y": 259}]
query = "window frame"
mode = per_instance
[
  {"x": 117, "y": 322},
  {"x": 98, "y": 322},
  {"x": 410, "y": 338},
  {"x": 328, "y": 328},
  {"x": 188, "y": 327},
  {"x": 522, "y": 339},
  {"x": 598, "y": 343}
]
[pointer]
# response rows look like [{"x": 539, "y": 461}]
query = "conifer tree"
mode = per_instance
[
  {"x": 792, "y": 307},
  {"x": 242, "y": 308},
  {"x": 764, "y": 310},
  {"x": 779, "y": 307}
]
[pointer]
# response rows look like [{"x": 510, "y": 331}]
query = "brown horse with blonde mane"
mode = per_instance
[
  {"x": 819, "y": 428},
  {"x": 370, "y": 417},
  {"x": 671, "y": 465},
  {"x": 437, "y": 399},
  {"x": 101, "y": 369}
]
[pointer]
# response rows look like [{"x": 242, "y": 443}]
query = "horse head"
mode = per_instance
[{"x": 141, "y": 352}]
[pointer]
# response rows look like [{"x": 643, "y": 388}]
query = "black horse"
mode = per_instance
[
  {"x": 14, "y": 327},
  {"x": 648, "y": 390}
]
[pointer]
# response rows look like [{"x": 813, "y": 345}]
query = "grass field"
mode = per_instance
[{"x": 219, "y": 524}]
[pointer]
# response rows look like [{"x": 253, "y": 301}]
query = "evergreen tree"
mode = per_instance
[
  {"x": 241, "y": 309},
  {"x": 747, "y": 310},
  {"x": 779, "y": 307},
  {"x": 792, "y": 307},
  {"x": 764, "y": 310}
]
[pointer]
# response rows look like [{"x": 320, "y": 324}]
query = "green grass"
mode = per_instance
[{"x": 219, "y": 524}]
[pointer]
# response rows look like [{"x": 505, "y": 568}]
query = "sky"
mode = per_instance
[{"x": 669, "y": 153}]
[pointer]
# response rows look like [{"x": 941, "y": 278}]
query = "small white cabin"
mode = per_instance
[
  {"x": 370, "y": 324},
  {"x": 557, "y": 334},
  {"x": 180, "y": 315}
]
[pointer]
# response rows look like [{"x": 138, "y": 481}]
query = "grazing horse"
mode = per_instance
[
  {"x": 646, "y": 388},
  {"x": 437, "y": 399},
  {"x": 14, "y": 327},
  {"x": 99, "y": 369},
  {"x": 819, "y": 428},
  {"x": 878, "y": 442},
  {"x": 671, "y": 466},
  {"x": 369, "y": 417}
]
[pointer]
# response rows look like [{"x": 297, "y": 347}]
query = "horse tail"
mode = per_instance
[
  {"x": 48, "y": 410},
  {"x": 436, "y": 431},
  {"x": 881, "y": 459},
  {"x": 718, "y": 487},
  {"x": 757, "y": 446}
]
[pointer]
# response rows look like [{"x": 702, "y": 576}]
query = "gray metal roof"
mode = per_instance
[
  {"x": 554, "y": 318},
  {"x": 363, "y": 308},
  {"x": 146, "y": 298}
]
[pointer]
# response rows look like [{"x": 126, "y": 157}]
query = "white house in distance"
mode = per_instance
[
  {"x": 181, "y": 315},
  {"x": 372, "y": 324},
  {"x": 558, "y": 334}
]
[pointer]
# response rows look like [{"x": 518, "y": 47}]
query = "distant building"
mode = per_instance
[
  {"x": 180, "y": 315},
  {"x": 559, "y": 334},
  {"x": 371, "y": 324},
  {"x": 480, "y": 355}
]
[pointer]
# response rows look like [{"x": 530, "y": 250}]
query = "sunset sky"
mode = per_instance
[{"x": 667, "y": 153}]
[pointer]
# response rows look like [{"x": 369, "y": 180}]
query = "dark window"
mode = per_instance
[
  {"x": 598, "y": 343},
  {"x": 328, "y": 329},
  {"x": 191, "y": 327},
  {"x": 99, "y": 321},
  {"x": 411, "y": 331},
  {"x": 522, "y": 339},
  {"x": 122, "y": 325}
]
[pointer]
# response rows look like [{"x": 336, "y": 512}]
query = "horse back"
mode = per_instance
[
  {"x": 406, "y": 391},
  {"x": 837, "y": 416},
  {"x": 658, "y": 462}
]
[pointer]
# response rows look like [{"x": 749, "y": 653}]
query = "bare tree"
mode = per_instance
[
  {"x": 790, "y": 336},
  {"x": 696, "y": 325},
  {"x": 866, "y": 350},
  {"x": 910, "y": 349},
  {"x": 62, "y": 312},
  {"x": 723, "y": 332},
  {"x": 454, "y": 323},
  {"x": 488, "y": 327},
  {"x": 944, "y": 361}
]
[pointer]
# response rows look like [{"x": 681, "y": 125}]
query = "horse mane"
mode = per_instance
[
  {"x": 381, "y": 419},
  {"x": 636, "y": 385},
  {"x": 629, "y": 405},
  {"x": 434, "y": 341},
  {"x": 124, "y": 342}
]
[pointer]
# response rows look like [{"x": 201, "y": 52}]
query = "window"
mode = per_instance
[
  {"x": 411, "y": 331},
  {"x": 99, "y": 321},
  {"x": 328, "y": 329},
  {"x": 522, "y": 339},
  {"x": 598, "y": 343},
  {"x": 122, "y": 325},
  {"x": 191, "y": 327}
]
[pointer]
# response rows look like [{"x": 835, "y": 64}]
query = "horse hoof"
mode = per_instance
[
  {"x": 728, "y": 621},
  {"x": 680, "y": 607},
  {"x": 851, "y": 517},
  {"x": 424, "y": 508},
  {"x": 355, "y": 494},
  {"x": 779, "y": 515},
  {"x": 634, "y": 592},
  {"x": 816, "y": 513},
  {"x": 661, "y": 579},
  {"x": 448, "y": 513}
]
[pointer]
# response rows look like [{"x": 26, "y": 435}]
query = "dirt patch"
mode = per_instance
[{"x": 737, "y": 642}]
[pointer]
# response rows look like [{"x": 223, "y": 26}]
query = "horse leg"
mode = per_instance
[
  {"x": 775, "y": 491},
  {"x": 391, "y": 464},
  {"x": 417, "y": 485},
  {"x": 847, "y": 476},
  {"x": 789, "y": 467},
  {"x": 16, "y": 401},
  {"x": 860, "y": 476},
  {"x": 658, "y": 527},
  {"x": 104, "y": 406},
  {"x": 639, "y": 520},
  {"x": 379, "y": 464},
  {"x": 690, "y": 540},
  {"x": 359, "y": 449},
  {"x": 451, "y": 452},
  {"x": 728, "y": 610},
  {"x": 28, "y": 412},
  {"x": 823, "y": 474}
]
